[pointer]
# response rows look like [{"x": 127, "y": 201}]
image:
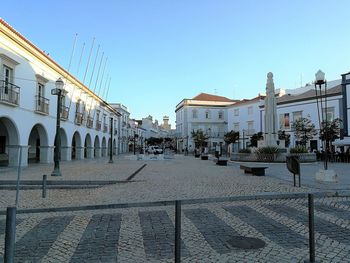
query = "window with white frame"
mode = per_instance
[
  {"x": 250, "y": 125},
  {"x": 250, "y": 110},
  {"x": 236, "y": 126},
  {"x": 330, "y": 114},
  {"x": 297, "y": 115},
  {"x": 236, "y": 112},
  {"x": 207, "y": 114},
  {"x": 8, "y": 77},
  {"x": 194, "y": 114},
  {"x": 221, "y": 115},
  {"x": 284, "y": 122}
]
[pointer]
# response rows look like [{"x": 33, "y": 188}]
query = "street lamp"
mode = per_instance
[
  {"x": 322, "y": 118},
  {"x": 111, "y": 144},
  {"x": 60, "y": 92}
]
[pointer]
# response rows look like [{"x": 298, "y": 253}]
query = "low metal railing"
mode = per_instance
[
  {"x": 41, "y": 104},
  {"x": 9, "y": 93},
  {"x": 12, "y": 211}
]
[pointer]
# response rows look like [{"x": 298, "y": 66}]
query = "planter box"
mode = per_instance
[{"x": 281, "y": 157}]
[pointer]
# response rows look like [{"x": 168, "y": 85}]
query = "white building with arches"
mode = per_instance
[{"x": 28, "y": 110}]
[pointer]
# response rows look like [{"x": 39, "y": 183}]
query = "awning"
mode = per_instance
[{"x": 345, "y": 141}]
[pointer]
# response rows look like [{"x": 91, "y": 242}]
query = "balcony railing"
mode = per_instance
[
  {"x": 89, "y": 122},
  {"x": 98, "y": 125},
  {"x": 78, "y": 118},
  {"x": 64, "y": 113},
  {"x": 41, "y": 105},
  {"x": 9, "y": 93},
  {"x": 105, "y": 127}
]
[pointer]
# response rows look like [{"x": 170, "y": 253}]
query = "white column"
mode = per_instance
[
  {"x": 66, "y": 153},
  {"x": 46, "y": 154},
  {"x": 79, "y": 155},
  {"x": 97, "y": 152},
  {"x": 14, "y": 154},
  {"x": 89, "y": 152}
]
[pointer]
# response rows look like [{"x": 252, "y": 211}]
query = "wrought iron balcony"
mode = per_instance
[
  {"x": 105, "y": 127},
  {"x": 64, "y": 113},
  {"x": 41, "y": 105},
  {"x": 78, "y": 118},
  {"x": 89, "y": 122},
  {"x": 98, "y": 125},
  {"x": 9, "y": 93}
]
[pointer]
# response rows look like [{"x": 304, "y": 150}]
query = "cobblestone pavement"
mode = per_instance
[{"x": 147, "y": 234}]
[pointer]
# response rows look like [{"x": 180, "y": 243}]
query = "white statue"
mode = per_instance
[{"x": 270, "y": 113}]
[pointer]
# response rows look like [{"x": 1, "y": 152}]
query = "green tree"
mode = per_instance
[
  {"x": 255, "y": 138},
  {"x": 200, "y": 138},
  {"x": 231, "y": 137},
  {"x": 330, "y": 131},
  {"x": 304, "y": 130}
]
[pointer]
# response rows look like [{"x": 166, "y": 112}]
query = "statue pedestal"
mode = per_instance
[{"x": 326, "y": 176}]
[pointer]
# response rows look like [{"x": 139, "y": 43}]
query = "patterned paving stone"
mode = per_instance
[
  {"x": 99, "y": 240},
  {"x": 347, "y": 202},
  {"x": 215, "y": 231},
  {"x": 35, "y": 244},
  {"x": 159, "y": 235},
  {"x": 273, "y": 230},
  {"x": 322, "y": 226},
  {"x": 3, "y": 225},
  {"x": 335, "y": 211}
]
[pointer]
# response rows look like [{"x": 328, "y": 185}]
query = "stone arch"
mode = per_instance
[
  {"x": 9, "y": 142},
  {"x": 38, "y": 148},
  {"x": 104, "y": 147},
  {"x": 88, "y": 149},
  {"x": 97, "y": 148},
  {"x": 76, "y": 146}
]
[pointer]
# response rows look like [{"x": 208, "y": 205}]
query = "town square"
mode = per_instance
[{"x": 152, "y": 131}]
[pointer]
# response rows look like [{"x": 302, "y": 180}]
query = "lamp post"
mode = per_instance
[
  {"x": 111, "y": 144},
  {"x": 135, "y": 136},
  {"x": 57, "y": 152},
  {"x": 322, "y": 118}
]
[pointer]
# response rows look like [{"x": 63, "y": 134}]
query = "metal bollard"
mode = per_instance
[
  {"x": 311, "y": 229},
  {"x": 44, "y": 185},
  {"x": 10, "y": 235},
  {"x": 177, "y": 231}
]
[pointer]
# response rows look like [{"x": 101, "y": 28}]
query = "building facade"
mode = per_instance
[
  {"x": 28, "y": 110},
  {"x": 203, "y": 112}
]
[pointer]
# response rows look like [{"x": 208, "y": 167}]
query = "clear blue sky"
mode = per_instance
[{"x": 161, "y": 51}]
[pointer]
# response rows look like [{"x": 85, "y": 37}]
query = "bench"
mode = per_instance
[
  {"x": 204, "y": 157},
  {"x": 255, "y": 170},
  {"x": 222, "y": 162}
]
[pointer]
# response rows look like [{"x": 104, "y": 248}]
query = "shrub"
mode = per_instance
[
  {"x": 267, "y": 150},
  {"x": 299, "y": 149},
  {"x": 247, "y": 150}
]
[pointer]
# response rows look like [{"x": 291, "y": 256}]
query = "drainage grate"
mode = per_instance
[{"x": 246, "y": 242}]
